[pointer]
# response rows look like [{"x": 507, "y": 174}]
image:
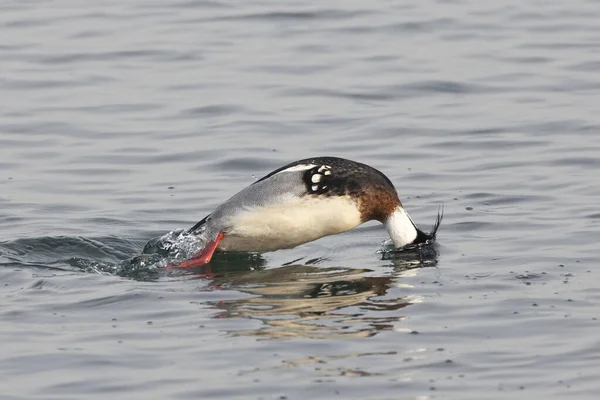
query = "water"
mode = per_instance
[{"x": 121, "y": 122}]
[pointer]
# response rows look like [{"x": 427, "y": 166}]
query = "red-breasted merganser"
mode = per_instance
[{"x": 304, "y": 201}]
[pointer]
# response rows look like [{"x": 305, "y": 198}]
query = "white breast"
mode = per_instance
[{"x": 289, "y": 223}]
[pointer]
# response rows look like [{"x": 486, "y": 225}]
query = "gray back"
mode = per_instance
[{"x": 272, "y": 190}]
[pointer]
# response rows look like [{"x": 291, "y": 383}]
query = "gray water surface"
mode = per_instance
[{"x": 121, "y": 122}]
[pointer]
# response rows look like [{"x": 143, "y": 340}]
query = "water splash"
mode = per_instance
[
  {"x": 177, "y": 245},
  {"x": 105, "y": 256},
  {"x": 160, "y": 252},
  {"x": 419, "y": 256}
]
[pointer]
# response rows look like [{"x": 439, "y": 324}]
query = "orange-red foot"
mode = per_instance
[{"x": 202, "y": 257}]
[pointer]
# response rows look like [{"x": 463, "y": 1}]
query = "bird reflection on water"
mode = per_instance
[{"x": 310, "y": 301}]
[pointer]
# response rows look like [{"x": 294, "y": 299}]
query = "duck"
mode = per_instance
[{"x": 301, "y": 202}]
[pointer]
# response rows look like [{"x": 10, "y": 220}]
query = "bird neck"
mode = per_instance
[{"x": 401, "y": 228}]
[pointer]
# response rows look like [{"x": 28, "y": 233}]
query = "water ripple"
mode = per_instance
[{"x": 125, "y": 123}]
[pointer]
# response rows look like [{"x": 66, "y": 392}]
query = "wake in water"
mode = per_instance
[
  {"x": 108, "y": 255},
  {"x": 159, "y": 253},
  {"x": 113, "y": 255}
]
